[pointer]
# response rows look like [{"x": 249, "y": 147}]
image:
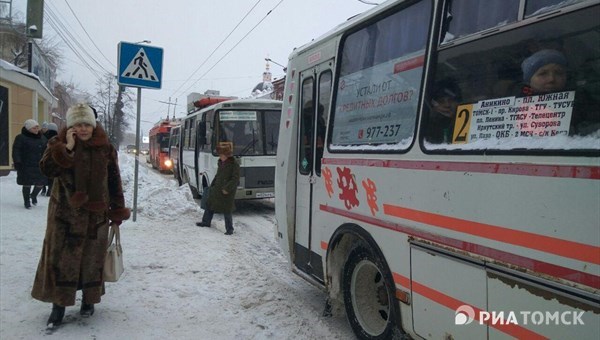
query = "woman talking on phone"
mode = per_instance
[{"x": 86, "y": 198}]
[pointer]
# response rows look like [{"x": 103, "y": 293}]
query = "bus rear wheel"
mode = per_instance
[{"x": 369, "y": 296}]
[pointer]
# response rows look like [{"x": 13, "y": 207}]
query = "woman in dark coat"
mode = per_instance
[
  {"x": 27, "y": 151},
  {"x": 222, "y": 189},
  {"x": 86, "y": 198}
]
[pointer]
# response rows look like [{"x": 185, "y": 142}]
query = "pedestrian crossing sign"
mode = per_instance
[{"x": 140, "y": 65}]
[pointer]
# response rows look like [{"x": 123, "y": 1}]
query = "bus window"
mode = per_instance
[
  {"x": 242, "y": 128},
  {"x": 501, "y": 105},
  {"x": 193, "y": 134},
  {"x": 537, "y": 7},
  {"x": 272, "y": 119},
  {"x": 380, "y": 79},
  {"x": 467, "y": 17},
  {"x": 324, "y": 100},
  {"x": 305, "y": 154},
  {"x": 186, "y": 134}
]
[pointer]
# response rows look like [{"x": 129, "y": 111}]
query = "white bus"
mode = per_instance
[
  {"x": 251, "y": 126},
  {"x": 436, "y": 189}
]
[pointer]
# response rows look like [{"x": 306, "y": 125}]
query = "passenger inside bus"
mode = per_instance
[
  {"x": 544, "y": 72},
  {"x": 444, "y": 101}
]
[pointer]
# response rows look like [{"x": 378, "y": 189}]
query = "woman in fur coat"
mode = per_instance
[{"x": 86, "y": 198}]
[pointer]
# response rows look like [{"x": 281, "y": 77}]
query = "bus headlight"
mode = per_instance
[{"x": 168, "y": 163}]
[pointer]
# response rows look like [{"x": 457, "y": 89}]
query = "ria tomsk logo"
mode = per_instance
[{"x": 464, "y": 315}]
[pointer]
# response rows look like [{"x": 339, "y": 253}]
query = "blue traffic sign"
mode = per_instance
[{"x": 140, "y": 65}]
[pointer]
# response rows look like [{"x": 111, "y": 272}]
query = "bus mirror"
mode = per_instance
[{"x": 202, "y": 133}]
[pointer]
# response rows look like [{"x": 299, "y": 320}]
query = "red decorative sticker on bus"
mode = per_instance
[
  {"x": 349, "y": 188},
  {"x": 371, "y": 189},
  {"x": 328, "y": 182}
]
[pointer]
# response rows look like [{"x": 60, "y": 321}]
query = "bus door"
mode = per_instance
[{"x": 314, "y": 106}]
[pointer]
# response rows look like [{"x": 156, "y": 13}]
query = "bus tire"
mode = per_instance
[{"x": 369, "y": 296}]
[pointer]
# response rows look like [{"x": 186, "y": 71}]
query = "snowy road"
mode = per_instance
[{"x": 181, "y": 281}]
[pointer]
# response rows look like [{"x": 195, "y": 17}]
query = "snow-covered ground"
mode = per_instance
[{"x": 180, "y": 281}]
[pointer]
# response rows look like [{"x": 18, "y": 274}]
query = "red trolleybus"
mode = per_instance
[
  {"x": 159, "y": 137},
  {"x": 438, "y": 169}
]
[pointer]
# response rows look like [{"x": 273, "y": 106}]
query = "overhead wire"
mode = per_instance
[
  {"x": 76, "y": 39},
  {"x": 216, "y": 48},
  {"x": 234, "y": 46},
  {"x": 73, "y": 42},
  {"x": 86, "y": 33},
  {"x": 53, "y": 22}
]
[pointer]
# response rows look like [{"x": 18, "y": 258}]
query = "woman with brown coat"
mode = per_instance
[
  {"x": 222, "y": 189},
  {"x": 86, "y": 198}
]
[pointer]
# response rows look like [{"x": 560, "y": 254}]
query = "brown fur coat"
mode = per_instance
[{"x": 86, "y": 196}]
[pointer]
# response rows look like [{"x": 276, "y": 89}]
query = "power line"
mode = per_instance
[
  {"x": 86, "y": 33},
  {"x": 72, "y": 41},
  {"x": 216, "y": 48},
  {"x": 234, "y": 46},
  {"x": 53, "y": 22}
]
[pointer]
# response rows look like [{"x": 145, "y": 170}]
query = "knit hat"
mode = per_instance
[
  {"x": 541, "y": 58},
  {"x": 44, "y": 125},
  {"x": 52, "y": 127},
  {"x": 225, "y": 149},
  {"x": 80, "y": 113},
  {"x": 30, "y": 124}
]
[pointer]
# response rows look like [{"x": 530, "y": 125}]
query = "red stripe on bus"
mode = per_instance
[
  {"x": 564, "y": 171},
  {"x": 565, "y": 248},
  {"x": 533, "y": 265},
  {"x": 453, "y": 304}
]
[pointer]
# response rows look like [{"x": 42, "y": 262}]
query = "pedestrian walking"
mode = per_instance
[
  {"x": 87, "y": 197},
  {"x": 222, "y": 189},
  {"x": 27, "y": 152}
]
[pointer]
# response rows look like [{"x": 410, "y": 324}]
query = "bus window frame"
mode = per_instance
[
  {"x": 336, "y": 78},
  {"x": 440, "y": 47}
]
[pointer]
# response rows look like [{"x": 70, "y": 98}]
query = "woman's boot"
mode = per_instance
[
  {"x": 34, "y": 193},
  {"x": 56, "y": 317},
  {"x": 26, "y": 199},
  {"x": 87, "y": 309}
]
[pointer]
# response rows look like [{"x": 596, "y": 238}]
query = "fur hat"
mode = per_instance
[
  {"x": 541, "y": 58},
  {"x": 80, "y": 113},
  {"x": 224, "y": 149},
  {"x": 52, "y": 127},
  {"x": 30, "y": 124}
]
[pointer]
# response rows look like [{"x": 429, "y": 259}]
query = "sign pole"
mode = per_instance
[
  {"x": 139, "y": 66},
  {"x": 137, "y": 150}
]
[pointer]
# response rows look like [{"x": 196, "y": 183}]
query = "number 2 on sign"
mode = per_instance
[{"x": 462, "y": 124}]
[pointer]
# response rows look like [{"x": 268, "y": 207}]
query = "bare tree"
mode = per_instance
[{"x": 112, "y": 103}]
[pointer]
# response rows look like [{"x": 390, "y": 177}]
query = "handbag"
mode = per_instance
[
  {"x": 113, "y": 262},
  {"x": 204, "y": 199}
]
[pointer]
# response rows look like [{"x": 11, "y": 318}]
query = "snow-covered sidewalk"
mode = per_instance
[{"x": 180, "y": 281}]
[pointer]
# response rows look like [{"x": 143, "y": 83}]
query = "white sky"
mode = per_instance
[
  {"x": 188, "y": 31},
  {"x": 180, "y": 281}
]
